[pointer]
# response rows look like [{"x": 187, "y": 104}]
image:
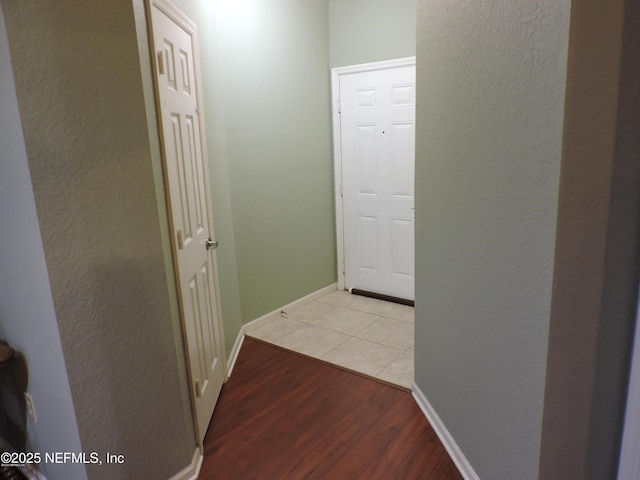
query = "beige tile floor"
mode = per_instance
[{"x": 370, "y": 336}]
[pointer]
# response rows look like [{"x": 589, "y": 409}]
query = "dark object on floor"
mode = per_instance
[
  {"x": 6, "y": 353},
  {"x": 14, "y": 378},
  {"x": 380, "y": 296},
  {"x": 286, "y": 416},
  {"x": 10, "y": 473}
]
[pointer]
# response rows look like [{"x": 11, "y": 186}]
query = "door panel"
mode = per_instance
[
  {"x": 402, "y": 145},
  {"x": 402, "y": 247},
  {"x": 186, "y": 174},
  {"x": 368, "y": 237},
  {"x": 377, "y": 127},
  {"x": 367, "y": 174}
]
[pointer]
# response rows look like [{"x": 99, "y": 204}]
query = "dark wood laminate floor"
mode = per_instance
[{"x": 285, "y": 416}]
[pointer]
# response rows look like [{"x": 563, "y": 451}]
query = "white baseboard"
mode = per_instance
[
  {"x": 235, "y": 350},
  {"x": 465, "y": 468},
  {"x": 233, "y": 355},
  {"x": 289, "y": 306},
  {"x": 191, "y": 472}
]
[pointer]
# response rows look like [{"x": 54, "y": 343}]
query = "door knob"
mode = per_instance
[{"x": 211, "y": 243}]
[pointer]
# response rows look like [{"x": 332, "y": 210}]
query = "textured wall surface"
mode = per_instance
[
  {"x": 26, "y": 306},
  {"x": 491, "y": 82},
  {"x": 77, "y": 74},
  {"x": 275, "y": 105},
  {"x": 362, "y": 31},
  {"x": 596, "y": 261}
]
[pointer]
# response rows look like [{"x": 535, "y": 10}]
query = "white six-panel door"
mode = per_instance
[
  {"x": 377, "y": 139},
  {"x": 186, "y": 178}
]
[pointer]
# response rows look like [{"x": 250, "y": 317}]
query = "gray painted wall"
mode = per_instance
[
  {"x": 27, "y": 316},
  {"x": 597, "y": 248},
  {"x": 79, "y": 89},
  {"x": 274, "y": 113},
  {"x": 362, "y": 31},
  {"x": 491, "y": 82}
]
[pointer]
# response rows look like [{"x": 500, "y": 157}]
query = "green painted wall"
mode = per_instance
[
  {"x": 490, "y": 95},
  {"x": 265, "y": 71},
  {"x": 226, "y": 254},
  {"x": 202, "y": 13},
  {"x": 274, "y": 104},
  {"x": 265, "y": 74},
  {"x": 362, "y": 31}
]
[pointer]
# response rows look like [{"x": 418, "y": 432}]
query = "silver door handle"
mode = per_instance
[{"x": 211, "y": 243}]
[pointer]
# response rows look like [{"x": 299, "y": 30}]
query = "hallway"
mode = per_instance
[{"x": 366, "y": 335}]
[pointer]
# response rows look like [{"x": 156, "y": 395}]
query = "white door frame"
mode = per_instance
[
  {"x": 336, "y": 73},
  {"x": 184, "y": 22},
  {"x": 629, "y": 466}
]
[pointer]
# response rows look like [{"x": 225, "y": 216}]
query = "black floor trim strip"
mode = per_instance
[{"x": 380, "y": 296}]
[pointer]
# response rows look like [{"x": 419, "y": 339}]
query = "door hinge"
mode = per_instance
[
  {"x": 341, "y": 191},
  {"x": 339, "y": 107},
  {"x": 160, "y": 62},
  {"x": 198, "y": 387},
  {"x": 343, "y": 267},
  {"x": 180, "y": 240}
]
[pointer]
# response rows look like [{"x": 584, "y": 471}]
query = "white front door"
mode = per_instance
[
  {"x": 174, "y": 39},
  {"x": 377, "y": 134}
]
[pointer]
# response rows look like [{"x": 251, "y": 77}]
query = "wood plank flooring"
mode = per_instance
[{"x": 286, "y": 416}]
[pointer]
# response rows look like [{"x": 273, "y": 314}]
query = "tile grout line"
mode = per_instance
[
  {"x": 355, "y": 335},
  {"x": 290, "y": 315}
]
